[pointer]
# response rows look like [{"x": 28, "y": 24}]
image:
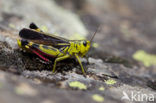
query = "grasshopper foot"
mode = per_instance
[{"x": 84, "y": 74}]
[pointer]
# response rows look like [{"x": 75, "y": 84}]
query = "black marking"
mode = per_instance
[
  {"x": 45, "y": 47},
  {"x": 48, "y": 47},
  {"x": 53, "y": 49},
  {"x": 35, "y": 45},
  {"x": 24, "y": 42},
  {"x": 33, "y": 26},
  {"x": 61, "y": 49}
]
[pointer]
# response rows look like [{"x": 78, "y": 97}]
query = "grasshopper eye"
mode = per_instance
[{"x": 85, "y": 43}]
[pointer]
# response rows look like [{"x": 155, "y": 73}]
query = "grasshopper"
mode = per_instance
[{"x": 48, "y": 46}]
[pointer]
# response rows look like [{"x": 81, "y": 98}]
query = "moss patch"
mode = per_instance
[
  {"x": 12, "y": 26},
  {"x": 110, "y": 82},
  {"x": 44, "y": 28},
  {"x": 145, "y": 58},
  {"x": 97, "y": 98},
  {"x": 95, "y": 45},
  {"x": 101, "y": 88},
  {"x": 77, "y": 84}
]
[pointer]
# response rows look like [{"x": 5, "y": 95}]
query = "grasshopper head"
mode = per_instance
[{"x": 85, "y": 45}]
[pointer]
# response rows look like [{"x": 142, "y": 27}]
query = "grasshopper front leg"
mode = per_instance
[
  {"x": 59, "y": 59},
  {"x": 77, "y": 57}
]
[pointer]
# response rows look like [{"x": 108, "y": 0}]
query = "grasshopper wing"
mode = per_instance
[
  {"x": 43, "y": 38},
  {"x": 33, "y": 26}
]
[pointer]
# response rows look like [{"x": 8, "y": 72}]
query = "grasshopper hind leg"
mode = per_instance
[
  {"x": 59, "y": 59},
  {"x": 25, "y": 44}
]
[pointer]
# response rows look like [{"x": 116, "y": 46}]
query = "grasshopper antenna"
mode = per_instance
[{"x": 94, "y": 34}]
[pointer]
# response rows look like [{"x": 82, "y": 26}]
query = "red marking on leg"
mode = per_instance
[{"x": 47, "y": 60}]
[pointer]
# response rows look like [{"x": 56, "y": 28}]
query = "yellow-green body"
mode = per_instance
[
  {"x": 75, "y": 48},
  {"x": 40, "y": 43}
]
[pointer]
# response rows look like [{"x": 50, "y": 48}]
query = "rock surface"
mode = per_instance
[{"x": 116, "y": 66}]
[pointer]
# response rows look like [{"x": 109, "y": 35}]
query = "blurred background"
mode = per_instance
[
  {"x": 127, "y": 34},
  {"x": 126, "y": 25}
]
